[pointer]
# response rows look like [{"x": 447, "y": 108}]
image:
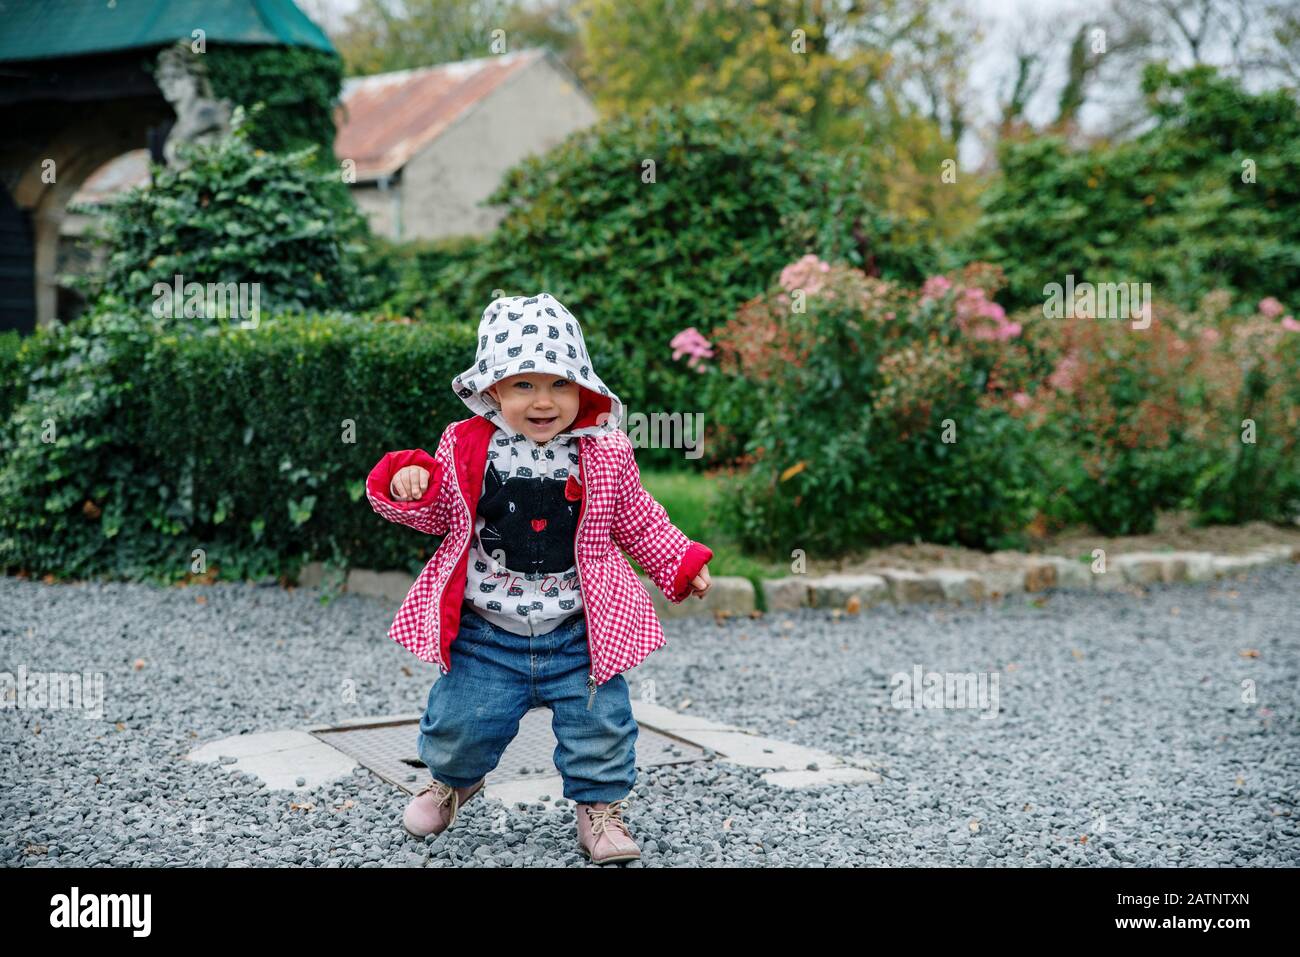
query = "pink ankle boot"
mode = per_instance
[
  {"x": 603, "y": 835},
  {"x": 434, "y": 808}
]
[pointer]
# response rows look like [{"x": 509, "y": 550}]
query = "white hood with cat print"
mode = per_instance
[{"x": 536, "y": 334}]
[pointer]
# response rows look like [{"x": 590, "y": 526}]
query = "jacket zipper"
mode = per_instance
[{"x": 577, "y": 566}]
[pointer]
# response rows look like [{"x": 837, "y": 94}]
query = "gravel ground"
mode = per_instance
[{"x": 1120, "y": 736}]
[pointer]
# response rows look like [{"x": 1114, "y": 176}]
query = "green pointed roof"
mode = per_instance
[{"x": 43, "y": 29}]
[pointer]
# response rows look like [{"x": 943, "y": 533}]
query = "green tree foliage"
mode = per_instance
[
  {"x": 1206, "y": 199},
  {"x": 887, "y": 78}
]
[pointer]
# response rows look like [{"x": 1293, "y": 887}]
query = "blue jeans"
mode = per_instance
[{"x": 496, "y": 676}]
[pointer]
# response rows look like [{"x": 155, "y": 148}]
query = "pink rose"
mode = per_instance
[{"x": 1289, "y": 324}]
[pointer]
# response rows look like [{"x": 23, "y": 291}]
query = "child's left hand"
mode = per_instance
[{"x": 700, "y": 583}]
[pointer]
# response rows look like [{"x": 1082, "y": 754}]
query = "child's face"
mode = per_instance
[{"x": 531, "y": 397}]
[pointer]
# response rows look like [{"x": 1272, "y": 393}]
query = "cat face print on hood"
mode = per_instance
[{"x": 536, "y": 334}]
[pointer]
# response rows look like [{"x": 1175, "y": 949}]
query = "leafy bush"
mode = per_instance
[
  {"x": 1249, "y": 375},
  {"x": 1117, "y": 418},
  {"x": 1169, "y": 207},
  {"x": 883, "y": 413},
  {"x": 237, "y": 214}
]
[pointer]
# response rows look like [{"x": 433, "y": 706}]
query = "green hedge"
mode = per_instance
[{"x": 230, "y": 440}]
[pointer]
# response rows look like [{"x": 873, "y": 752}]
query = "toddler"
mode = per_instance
[{"x": 534, "y": 494}]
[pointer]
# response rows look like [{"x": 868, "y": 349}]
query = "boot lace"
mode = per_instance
[
  {"x": 608, "y": 817},
  {"x": 441, "y": 791}
]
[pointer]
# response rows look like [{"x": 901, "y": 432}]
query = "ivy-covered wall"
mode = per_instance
[{"x": 299, "y": 86}]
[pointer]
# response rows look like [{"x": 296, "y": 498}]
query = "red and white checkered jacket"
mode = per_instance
[{"x": 616, "y": 513}]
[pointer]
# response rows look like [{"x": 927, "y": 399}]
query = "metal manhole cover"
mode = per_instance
[{"x": 389, "y": 749}]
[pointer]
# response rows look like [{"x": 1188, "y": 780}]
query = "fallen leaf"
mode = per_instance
[
  {"x": 853, "y": 605},
  {"x": 1083, "y": 838},
  {"x": 1077, "y": 653},
  {"x": 1250, "y": 653},
  {"x": 726, "y": 825},
  {"x": 406, "y": 671},
  {"x": 120, "y": 726},
  {"x": 974, "y": 826},
  {"x": 793, "y": 470},
  {"x": 686, "y": 703},
  {"x": 201, "y": 599},
  {"x": 139, "y": 664}
]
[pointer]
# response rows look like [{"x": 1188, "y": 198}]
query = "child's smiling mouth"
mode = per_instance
[{"x": 542, "y": 422}]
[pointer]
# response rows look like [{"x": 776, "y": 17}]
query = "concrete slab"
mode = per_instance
[
  {"x": 280, "y": 758},
  {"x": 1001, "y": 582},
  {"x": 809, "y": 779},
  {"x": 675, "y": 722},
  {"x": 784, "y": 594},
  {"x": 393, "y": 586},
  {"x": 907, "y": 588},
  {"x": 530, "y": 790},
  {"x": 834, "y": 591},
  {"x": 753, "y": 751},
  {"x": 957, "y": 585}
]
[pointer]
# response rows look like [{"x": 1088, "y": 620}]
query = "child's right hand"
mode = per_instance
[{"x": 409, "y": 484}]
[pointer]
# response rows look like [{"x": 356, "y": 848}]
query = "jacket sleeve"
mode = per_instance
[
  {"x": 430, "y": 513},
  {"x": 642, "y": 529}
]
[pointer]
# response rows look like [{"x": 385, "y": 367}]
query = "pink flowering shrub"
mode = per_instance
[
  {"x": 1131, "y": 422},
  {"x": 877, "y": 413},
  {"x": 881, "y": 413}
]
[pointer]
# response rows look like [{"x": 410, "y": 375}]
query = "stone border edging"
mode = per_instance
[
  {"x": 734, "y": 595},
  {"x": 852, "y": 591}
]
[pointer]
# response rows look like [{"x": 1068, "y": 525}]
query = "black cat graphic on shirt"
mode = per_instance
[{"x": 529, "y": 520}]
